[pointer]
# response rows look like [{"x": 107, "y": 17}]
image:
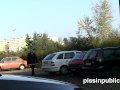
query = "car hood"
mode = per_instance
[
  {"x": 12, "y": 82},
  {"x": 33, "y": 79}
]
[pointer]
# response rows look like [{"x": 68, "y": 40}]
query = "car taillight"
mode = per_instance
[
  {"x": 52, "y": 63},
  {"x": 76, "y": 62}
]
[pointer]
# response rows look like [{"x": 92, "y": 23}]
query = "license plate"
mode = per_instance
[{"x": 45, "y": 62}]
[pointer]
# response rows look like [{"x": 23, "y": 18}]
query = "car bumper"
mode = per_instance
[
  {"x": 53, "y": 69},
  {"x": 75, "y": 67}
]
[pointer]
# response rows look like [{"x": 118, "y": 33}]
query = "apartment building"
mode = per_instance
[
  {"x": 16, "y": 44},
  {"x": 12, "y": 44}
]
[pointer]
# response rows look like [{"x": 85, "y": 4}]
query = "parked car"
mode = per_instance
[
  {"x": 58, "y": 62},
  {"x": 103, "y": 60},
  {"x": 13, "y": 63},
  {"x": 12, "y": 82},
  {"x": 75, "y": 65}
]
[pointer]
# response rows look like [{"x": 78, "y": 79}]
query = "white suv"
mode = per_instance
[{"x": 58, "y": 62}]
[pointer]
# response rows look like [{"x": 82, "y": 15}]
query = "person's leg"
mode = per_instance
[{"x": 32, "y": 68}]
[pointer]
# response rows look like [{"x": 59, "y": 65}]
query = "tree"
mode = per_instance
[
  {"x": 99, "y": 28},
  {"x": 77, "y": 43},
  {"x": 28, "y": 42},
  {"x": 42, "y": 45},
  {"x": 103, "y": 19},
  {"x": 87, "y": 26}
]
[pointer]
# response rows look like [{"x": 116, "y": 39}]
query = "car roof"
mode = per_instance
[
  {"x": 105, "y": 48},
  {"x": 13, "y": 57},
  {"x": 68, "y": 51}
]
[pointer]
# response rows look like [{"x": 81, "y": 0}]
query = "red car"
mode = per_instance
[
  {"x": 75, "y": 65},
  {"x": 13, "y": 63}
]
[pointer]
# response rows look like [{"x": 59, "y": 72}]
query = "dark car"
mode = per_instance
[
  {"x": 76, "y": 63},
  {"x": 103, "y": 60},
  {"x": 11, "y": 82}
]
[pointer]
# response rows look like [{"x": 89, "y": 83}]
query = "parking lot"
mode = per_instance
[{"x": 77, "y": 80}]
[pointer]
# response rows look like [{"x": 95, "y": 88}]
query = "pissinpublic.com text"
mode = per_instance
[{"x": 101, "y": 81}]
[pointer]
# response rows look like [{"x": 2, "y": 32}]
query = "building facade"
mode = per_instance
[{"x": 12, "y": 44}]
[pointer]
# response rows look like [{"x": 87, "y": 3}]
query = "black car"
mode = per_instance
[
  {"x": 76, "y": 63},
  {"x": 12, "y": 82},
  {"x": 103, "y": 60}
]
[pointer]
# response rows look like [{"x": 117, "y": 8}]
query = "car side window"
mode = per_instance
[
  {"x": 69, "y": 55},
  {"x": 14, "y": 59},
  {"x": 7, "y": 60},
  {"x": 99, "y": 54},
  {"x": 117, "y": 53},
  {"x": 92, "y": 55},
  {"x": 107, "y": 54},
  {"x": 60, "y": 56}
]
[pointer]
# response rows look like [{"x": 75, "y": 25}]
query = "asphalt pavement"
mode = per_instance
[{"x": 77, "y": 80}]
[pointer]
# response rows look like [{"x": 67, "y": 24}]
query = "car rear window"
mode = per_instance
[
  {"x": 108, "y": 53},
  {"x": 14, "y": 59},
  {"x": 69, "y": 55},
  {"x": 49, "y": 57},
  {"x": 79, "y": 55}
]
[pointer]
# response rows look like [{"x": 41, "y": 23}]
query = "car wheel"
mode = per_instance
[
  {"x": 21, "y": 67},
  {"x": 64, "y": 70}
]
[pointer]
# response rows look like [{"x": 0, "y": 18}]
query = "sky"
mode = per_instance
[{"x": 57, "y": 18}]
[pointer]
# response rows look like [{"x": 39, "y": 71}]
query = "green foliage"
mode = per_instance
[
  {"x": 2, "y": 55},
  {"x": 96, "y": 31},
  {"x": 41, "y": 44},
  {"x": 77, "y": 43},
  {"x": 103, "y": 19},
  {"x": 99, "y": 29}
]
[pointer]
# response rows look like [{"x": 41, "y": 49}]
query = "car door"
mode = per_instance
[
  {"x": 67, "y": 57},
  {"x": 109, "y": 57},
  {"x": 59, "y": 60},
  {"x": 90, "y": 60},
  {"x": 14, "y": 62}
]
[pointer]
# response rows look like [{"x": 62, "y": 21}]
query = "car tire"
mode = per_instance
[
  {"x": 21, "y": 67},
  {"x": 64, "y": 70}
]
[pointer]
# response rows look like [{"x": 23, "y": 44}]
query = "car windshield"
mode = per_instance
[
  {"x": 79, "y": 55},
  {"x": 3, "y": 59},
  {"x": 49, "y": 57}
]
